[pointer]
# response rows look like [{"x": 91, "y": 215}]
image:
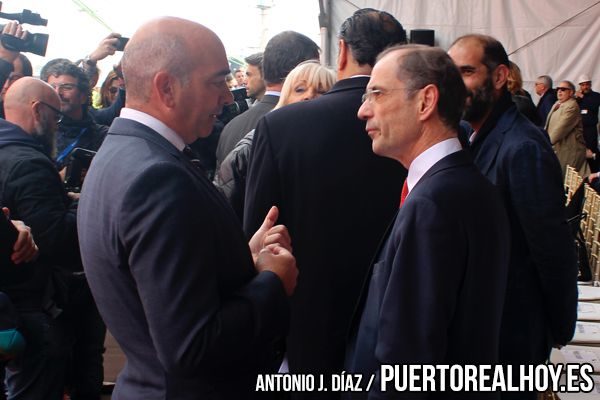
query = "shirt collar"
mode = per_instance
[
  {"x": 154, "y": 124},
  {"x": 428, "y": 158}
]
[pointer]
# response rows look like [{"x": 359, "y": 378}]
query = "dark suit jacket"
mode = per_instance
[
  {"x": 436, "y": 289},
  {"x": 541, "y": 298},
  {"x": 238, "y": 127},
  {"x": 172, "y": 274},
  {"x": 545, "y": 105},
  {"x": 313, "y": 159}
]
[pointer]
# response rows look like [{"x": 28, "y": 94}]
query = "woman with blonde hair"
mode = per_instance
[{"x": 305, "y": 82}]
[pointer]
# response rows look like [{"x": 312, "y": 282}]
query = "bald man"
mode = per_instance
[
  {"x": 196, "y": 310},
  {"x": 34, "y": 193}
]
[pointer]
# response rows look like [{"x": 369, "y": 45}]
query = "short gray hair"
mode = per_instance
[{"x": 545, "y": 80}]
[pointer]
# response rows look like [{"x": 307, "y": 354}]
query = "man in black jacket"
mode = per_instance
[
  {"x": 33, "y": 191},
  {"x": 77, "y": 128},
  {"x": 283, "y": 52},
  {"x": 313, "y": 159}
]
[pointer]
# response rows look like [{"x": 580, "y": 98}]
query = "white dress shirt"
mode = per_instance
[
  {"x": 154, "y": 124},
  {"x": 428, "y": 158}
]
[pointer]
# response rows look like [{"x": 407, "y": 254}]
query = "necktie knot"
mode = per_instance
[{"x": 192, "y": 157}]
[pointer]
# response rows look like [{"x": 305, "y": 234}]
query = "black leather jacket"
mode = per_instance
[{"x": 231, "y": 177}]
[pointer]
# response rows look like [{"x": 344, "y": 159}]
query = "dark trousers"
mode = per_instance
[
  {"x": 86, "y": 333},
  {"x": 39, "y": 372}
]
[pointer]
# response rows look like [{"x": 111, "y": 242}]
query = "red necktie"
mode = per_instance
[
  {"x": 556, "y": 107},
  {"x": 404, "y": 192}
]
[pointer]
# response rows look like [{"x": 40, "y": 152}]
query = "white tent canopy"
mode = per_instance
[{"x": 553, "y": 37}]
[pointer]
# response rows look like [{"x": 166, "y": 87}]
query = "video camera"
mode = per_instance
[
  {"x": 35, "y": 43},
  {"x": 239, "y": 105}
]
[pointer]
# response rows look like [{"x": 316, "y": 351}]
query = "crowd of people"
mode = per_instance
[{"x": 404, "y": 208}]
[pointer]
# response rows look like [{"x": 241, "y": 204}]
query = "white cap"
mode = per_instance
[{"x": 584, "y": 78}]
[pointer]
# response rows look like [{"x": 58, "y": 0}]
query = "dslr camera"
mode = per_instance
[
  {"x": 239, "y": 105},
  {"x": 35, "y": 43}
]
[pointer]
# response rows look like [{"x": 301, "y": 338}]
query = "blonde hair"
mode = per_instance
[
  {"x": 313, "y": 73},
  {"x": 515, "y": 80}
]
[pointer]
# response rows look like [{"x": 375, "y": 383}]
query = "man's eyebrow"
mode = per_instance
[
  {"x": 222, "y": 73},
  {"x": 467, "y": 68}
]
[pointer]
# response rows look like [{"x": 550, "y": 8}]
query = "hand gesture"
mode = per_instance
[
  {"x": 282, "y": 263},
  {"x": 268, "y": 234},
  {"x": 107, "y": 47},
  {"x": 25, "y": 249}
]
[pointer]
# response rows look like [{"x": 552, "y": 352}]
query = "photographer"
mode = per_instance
[
  {"x": 77, "y": 128},
  {"x": 34, "y": 193},
  {"x": 108, "y": 46},
  {"x": 8, "y": 57}
]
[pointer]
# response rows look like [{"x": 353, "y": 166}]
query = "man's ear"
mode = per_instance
[
  {"x": 342, "y": 60},
  {"x": 500, "y": 76},
  {"x": 428, "y": 101},
  {"x": 36, "y": 108},
  {"x": 165, "y": 86}
]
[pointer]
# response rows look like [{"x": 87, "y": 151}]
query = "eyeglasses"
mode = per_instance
[
  {"x": 560, "y": 89},
  {"x": 374, "y": 94},
  {"x": 58, "y": 115},
  {"x": 66, "y": 87}
]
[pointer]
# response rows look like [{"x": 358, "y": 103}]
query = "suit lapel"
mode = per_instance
[
  {"x": 486, "y": 156},
  {"x": 127, "y": 127}
]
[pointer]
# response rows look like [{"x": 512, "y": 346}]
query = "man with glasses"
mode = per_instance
[
  {"x": 77, "y": 128},
  {"x": 436, "y": 287},
  {"x": 566, "y": 130},
  {"x": 540, "y": 309},
  {"x": 34, "y": 193},
  {"x": 314, "y": 160}
]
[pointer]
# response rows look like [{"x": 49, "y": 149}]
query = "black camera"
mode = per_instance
[
  {"x": 121, "y": 43},
  {"x": 239, "y": 105},
  {"x": 77, "y": 168},
  {"x": 35, "y": 43}
]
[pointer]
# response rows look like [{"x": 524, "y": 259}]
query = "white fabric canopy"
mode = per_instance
[{"x": 554, "y": 37}]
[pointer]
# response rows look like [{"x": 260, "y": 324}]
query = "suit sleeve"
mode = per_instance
[
  {"x": 39, "y": 199},
  {"x": 537, "y": 197},
  {"x": 569, "y": 118},
  {"x": 418, "y": 304},
  {"x": 177, "y": 243},
  {"x": 263, "y": 188}
]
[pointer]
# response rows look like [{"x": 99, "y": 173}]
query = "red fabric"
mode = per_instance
[{"x": 404, "y": 192}]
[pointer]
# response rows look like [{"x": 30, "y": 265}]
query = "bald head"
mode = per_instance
[
  {"x": 34, "y": 106},
  {"x": 20, "y": 98},
  {"x": 175, "y": 70},
  {"x": 164, "y": 44}
]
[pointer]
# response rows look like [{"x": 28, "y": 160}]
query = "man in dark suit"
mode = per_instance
[
  {"x": 194, "y": 308},
  {"x": 283, "y": 52},
  {"x": 313, "y": 160},
  {"x": 436, "y": 286},
  {"x": 543, "y": 88},
  {"x": 541, "y": 299}
]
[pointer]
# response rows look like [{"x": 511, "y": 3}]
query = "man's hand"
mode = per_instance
[
  {"x": 579, "y": 94},
  {"x": 107, "y": 47},
  {"x": 282, "y": 263},
  {"x": 268, "y": 234},
  {"x": 12, "y": 28},
  {"x": 25, "y": 249}
]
